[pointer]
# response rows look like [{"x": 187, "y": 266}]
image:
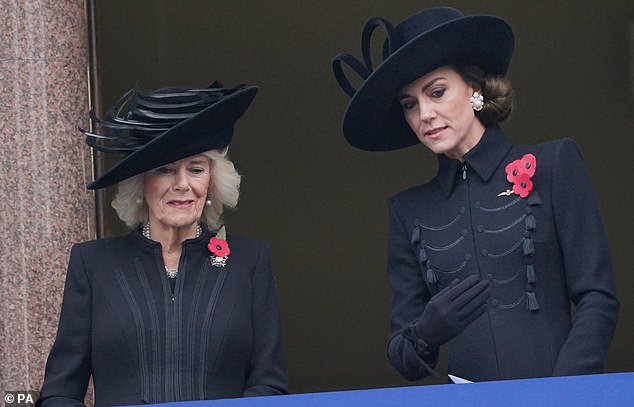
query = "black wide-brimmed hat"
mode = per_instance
[
  {"x": 430, "y": 39},
  {"x": 150, "y": 129}
]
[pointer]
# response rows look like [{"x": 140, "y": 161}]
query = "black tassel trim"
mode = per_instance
[
  {"x": 530, "y": 222},
  {"x": 431, "y": 276},
  {"x": 529, "y": 248},
  {"x": 422, "y": 255},
  {"x": 415, "y": 235},
  {"x": 531, "y": 301},
  {"x": 530, "y": 274},
  {"x": 534, "y": 199}
]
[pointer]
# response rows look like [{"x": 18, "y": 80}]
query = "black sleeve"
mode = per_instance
[
  {"x": 588, "y": 265},
  {"x": 68, "y": 367},
  {"x": 409, "y": 355},
  {"x": 267, "y": 373}
]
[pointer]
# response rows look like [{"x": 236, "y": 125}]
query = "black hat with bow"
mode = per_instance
[{"x": 430, "y": 39}]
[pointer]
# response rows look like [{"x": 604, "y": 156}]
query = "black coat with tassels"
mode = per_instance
[
  {"x": 542, "y": 253},
  {"x": 217, "y": 335}
]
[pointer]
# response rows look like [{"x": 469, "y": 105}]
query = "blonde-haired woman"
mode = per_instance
[{"x": 175, "y": 310}]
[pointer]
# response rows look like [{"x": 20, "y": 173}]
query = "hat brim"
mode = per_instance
[
  {"x": 210, "y": 129},
  {"x": 374, "y": 120}
]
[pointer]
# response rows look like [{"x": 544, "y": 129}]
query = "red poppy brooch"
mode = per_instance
[
  {"x": 219, "y": 248},
  {"x": 519, "y": 173}
]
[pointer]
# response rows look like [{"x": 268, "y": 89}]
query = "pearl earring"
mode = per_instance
[
  {"x": 477, "y": 101},
  {"x": 208, "y": 201}
]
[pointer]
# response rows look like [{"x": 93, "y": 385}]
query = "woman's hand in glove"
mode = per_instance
[{"x": 450, "y": 311}]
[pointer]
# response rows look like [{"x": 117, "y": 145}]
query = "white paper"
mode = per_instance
[{"x": 459, "y": 380}]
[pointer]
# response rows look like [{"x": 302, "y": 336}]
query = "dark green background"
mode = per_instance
[{"x": 322, "y": 204}]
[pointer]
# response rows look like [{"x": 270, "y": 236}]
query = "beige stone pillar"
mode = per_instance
[{"x": 44, "y": 206}]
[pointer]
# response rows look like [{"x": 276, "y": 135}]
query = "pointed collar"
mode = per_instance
[{"x": 483, "y": 159}]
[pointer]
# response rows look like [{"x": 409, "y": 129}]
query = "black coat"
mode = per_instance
[
  {"x": 541, "y": 253},
  {"x": 217, "y": 335}
]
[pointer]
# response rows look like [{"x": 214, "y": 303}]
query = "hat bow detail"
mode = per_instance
[{"x": 366, "y": 41}]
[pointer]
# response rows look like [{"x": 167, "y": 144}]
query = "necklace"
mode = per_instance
[{"x": 171, "y": 273}]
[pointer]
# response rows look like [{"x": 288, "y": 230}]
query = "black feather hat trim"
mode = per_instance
[{"x": 150, "y": 129}]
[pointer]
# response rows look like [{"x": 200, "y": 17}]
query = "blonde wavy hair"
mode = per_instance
[{"x": 224, "y": 188}]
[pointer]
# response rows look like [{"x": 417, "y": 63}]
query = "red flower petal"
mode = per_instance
[
  {"x": 523, "y": 185},
  {"x": 528, "y": 163},
  {"x": 513, "y": 170},
  {"x": 218, "y": 247}
]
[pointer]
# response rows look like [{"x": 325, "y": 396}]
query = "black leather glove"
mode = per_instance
[{"x": 450, "y": 311}]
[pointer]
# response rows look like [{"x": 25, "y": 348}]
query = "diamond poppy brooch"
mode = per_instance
[{"x": 219, "y": 248}]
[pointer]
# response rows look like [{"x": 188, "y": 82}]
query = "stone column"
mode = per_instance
[{"x": 44, "y": 205}]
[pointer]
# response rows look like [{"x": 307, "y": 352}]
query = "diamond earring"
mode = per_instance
[{"x": 477, "y": 101}]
